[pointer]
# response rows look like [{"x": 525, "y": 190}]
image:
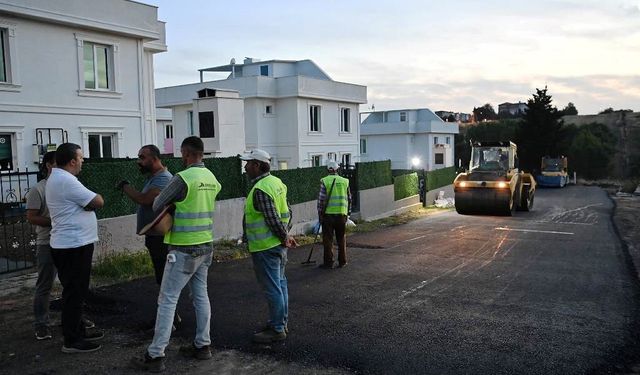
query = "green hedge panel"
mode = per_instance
[
  {"x": 405, "y": 186},
  {"x": 303, "y": 184},
  {"x": 103, "y": 176},
  {"x": 374, "y": 174},
  {"x": 440, "y": 177}
]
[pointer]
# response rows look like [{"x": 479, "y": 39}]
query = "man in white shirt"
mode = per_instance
[{"x": 74, "y": 229}]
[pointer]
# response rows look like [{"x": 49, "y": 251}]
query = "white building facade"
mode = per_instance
[
  {"x": 411, "y": 139},
  {"x": 292, "y": 109},
  {"x": 79, "y": 71}
]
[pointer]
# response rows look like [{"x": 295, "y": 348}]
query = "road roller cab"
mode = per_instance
[{"x": 493, "y": 184}]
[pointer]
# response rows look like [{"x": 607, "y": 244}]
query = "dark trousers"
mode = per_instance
[
  {"x": 74, "y": 271},
  {"x": 334, "y": 224},
  {"x": 158, "y": 251}
]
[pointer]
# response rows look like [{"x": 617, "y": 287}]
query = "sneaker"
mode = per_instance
[
  {"x": 268, "y": 336},
  {"x": 93, "y": 336},
  {"x": 286, "y": 328},
  {"x": 191, "y": 351},
  {"x": 343, "y": 265},
  {"x": 43, "y": 333},
  {"x": 146, "y": 363},
  {"x": 81, "y": 346},
  {"x": 88, "y": 323}
]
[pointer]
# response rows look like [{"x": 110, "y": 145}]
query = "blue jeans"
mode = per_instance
[
  {"x": 269, "y": 268},
  {"x": 186, "y": 269}
]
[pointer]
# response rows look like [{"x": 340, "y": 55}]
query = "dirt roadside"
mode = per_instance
[{"x": 21, "y": 353}]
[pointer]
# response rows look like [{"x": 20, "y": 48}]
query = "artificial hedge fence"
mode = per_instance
[
  {"x": 303, "y": 184},
  {"x": 405, "y": 186},
  {"x": 102, "y": 178},
  {"x": 373, "y": 174},
  {"x": 440, "y": 177}
]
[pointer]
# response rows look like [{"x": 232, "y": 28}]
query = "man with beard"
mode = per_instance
[{"x": 157, "y": 179}]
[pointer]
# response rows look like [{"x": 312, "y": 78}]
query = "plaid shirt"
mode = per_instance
[
  {"x": 322, "y": 197},
  {"x": 176, "y": 191},
  {"x": 262, "y": 202}
]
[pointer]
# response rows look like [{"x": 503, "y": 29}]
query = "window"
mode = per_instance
[
  {"x": 190, "y": 122},
  {"x": 314, "y": 118},
  {"x": 282, "y": 165},
  {"x": 316, "y": 160},
  {"x": 206, "y": 124},
  {"x": 331, "y": 156},
  {"x": 168, "y": 132},
  {"x": 363, "y": 146},
  {"x": 435, "y": 140},
  {"x": 6, "y": 153},
  {"x": 268, "y": 110},
  {"x": 439, "y": 158},
  {"x": 97, "y": 59},
  {"x": 100, "y": 146},
  {"x": 403, "y": 116},
  {"x": 346, "y": 160},
  {"x": 345, "y": 114},
  {"x": 264, "y": 70},
  {"x": 3, "y": 56},
  {"x": 448, "y": 140}
]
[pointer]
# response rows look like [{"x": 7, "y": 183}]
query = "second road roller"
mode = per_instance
[{"x": 493, "y": 185}]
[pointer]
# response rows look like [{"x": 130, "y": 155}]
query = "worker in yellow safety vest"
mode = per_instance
[
  {"x": 267, "y": 220},
  {"x": 193, "y": 191},
  {"x": 334, "y": 207}
]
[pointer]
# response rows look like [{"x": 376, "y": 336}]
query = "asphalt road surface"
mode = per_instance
[{"x": 547, "y": 291}]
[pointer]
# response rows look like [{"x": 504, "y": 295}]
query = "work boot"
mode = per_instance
[
  {"x": 146, "y": 363},
  {"x": 268, "y": 336},
  {"x": 191, "y": 351},
  {"x": 80, "y": 346},
  {"x": 43, "y": 333}
]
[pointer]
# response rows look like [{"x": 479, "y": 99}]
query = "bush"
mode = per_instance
[
  {"x": 405, "y": 186},
  {"x": 123, "y": 266},
  {"x": 374, "y": 174},
  {"x": 440, "y": 177}
]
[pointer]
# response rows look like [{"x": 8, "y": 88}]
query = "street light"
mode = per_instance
[{"x": 415, "y": 162}]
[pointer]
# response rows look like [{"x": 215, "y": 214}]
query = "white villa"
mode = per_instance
[
  {"x": 79, "y": 71},
  {"x": 292, "y": 109},
  {"x": 411, "y": 138}
]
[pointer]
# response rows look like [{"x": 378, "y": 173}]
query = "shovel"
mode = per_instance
[{"x": 310, "y": 262}]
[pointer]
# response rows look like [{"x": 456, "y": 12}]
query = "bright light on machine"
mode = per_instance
[
  {"x": 463, "y": 184},
  {"x": 502, "y": 185},
  {"x": 415, "y": 161}
]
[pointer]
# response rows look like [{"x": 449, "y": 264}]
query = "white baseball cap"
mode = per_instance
[
  {"x": 333, "y": 165},
  {"x": 257, "y": 154}
]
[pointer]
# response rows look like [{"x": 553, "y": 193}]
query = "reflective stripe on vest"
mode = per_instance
[
  {"x": 193, "y": 218},
  {"x": 339, "y": 200},
  {"x": 258, "y": 233}
]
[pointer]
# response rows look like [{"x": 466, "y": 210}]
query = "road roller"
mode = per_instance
[
  {"x": 553, "y": 172},
  {"x": 493, "y": 185}
]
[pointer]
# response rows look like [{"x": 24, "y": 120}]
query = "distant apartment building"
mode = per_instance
[
  {"x": 77, "y": 71},
  {"x": 449, "y": 116},
  {"x": 513, "y": 109},
  {"x": 412, "y": 138},
  {"x": 290, "y": 108}
]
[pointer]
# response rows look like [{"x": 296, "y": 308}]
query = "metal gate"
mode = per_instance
[
  {"x": 17, "y": 236},
  {"x": 351, "y": 173}
]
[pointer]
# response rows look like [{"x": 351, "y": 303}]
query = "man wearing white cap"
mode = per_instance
[
  {"x": 267, "y": 218},
  {"x": 334, "y": 206}
]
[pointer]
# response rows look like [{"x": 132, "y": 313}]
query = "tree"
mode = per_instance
[
  {"x": 570, "y": 109},
  {"x": 607, "y": 111},
  {"x": 592, "y": 151},
  {"x": 540, "y": 133},
  {"x": 484, "y": 113}
]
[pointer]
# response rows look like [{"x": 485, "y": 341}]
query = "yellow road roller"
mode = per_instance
[{"x": 493, "y": 185}]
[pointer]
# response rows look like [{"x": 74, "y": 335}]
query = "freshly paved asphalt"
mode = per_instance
[{"x": 548, "y": 291}]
